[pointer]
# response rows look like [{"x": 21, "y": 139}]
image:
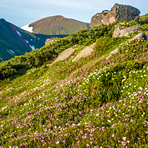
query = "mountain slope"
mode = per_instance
[
  {"x": 94, "y": 102},
  {"x": 15, "y": 41},
  {"x": 57, "y": 25}
]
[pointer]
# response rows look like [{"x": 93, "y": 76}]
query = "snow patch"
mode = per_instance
[
  {"x": 18, "y": 33},
  {"x": 27, "y": 28},
  {"x": 11, "y": 51},
  {"x": 32, "y": 46},
  {"x": 26, "y": 41}
]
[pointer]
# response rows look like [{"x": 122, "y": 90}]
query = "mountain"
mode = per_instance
[
  {"x": 15, "y": 41},
  {"x": 56, "y": 25},
  {"x": 94, "y": 102}
]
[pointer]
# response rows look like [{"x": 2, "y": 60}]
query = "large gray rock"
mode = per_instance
[
  {"x": 48, "y": 41},
  {"x": 85, "y": 52},
  {"x": 66, "y": 54},
  {"x": 140, "y": 35},
  {"x": 124, "y": 31},
  {"x": 118, "y": 13}
]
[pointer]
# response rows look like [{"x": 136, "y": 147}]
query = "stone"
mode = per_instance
[
  {"x": 85, "y": 52},
  {"x": 140, "y": 35},
  {"x": 124, "y": 31},
  {"x": 66, "y": 54},
  {"x": 118, "y": 13},
  {"x": 48, "y": 41}
]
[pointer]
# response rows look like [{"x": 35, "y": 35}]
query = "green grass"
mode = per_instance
[{"x": 93, "y": 102}]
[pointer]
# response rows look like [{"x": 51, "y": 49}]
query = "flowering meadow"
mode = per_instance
[{"x": 94, "y": 102}]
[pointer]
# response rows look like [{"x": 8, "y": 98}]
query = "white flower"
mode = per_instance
[
  {"x": 124, "y": 138},
  {"x": 57, "y": 142}
]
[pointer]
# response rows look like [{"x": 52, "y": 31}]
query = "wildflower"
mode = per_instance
[
  {"x": 113, "y": 135},
  {"x": 87, "y": 145},
  {"x": 124, "y": 138},
  {"x": 57, "y": 142}
]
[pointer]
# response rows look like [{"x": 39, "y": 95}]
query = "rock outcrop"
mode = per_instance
[
  {"x": 48, "y": 41},
  {"x": 118, "y": 13},
  {"x": 85, "y": 52},
  {"x": 140, "y": 35},
  {"x": 124, "y": 31},
  {"x": 66, "y": 54}
]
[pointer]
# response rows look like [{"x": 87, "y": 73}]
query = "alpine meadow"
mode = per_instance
[{"x": 96, "y": 102}]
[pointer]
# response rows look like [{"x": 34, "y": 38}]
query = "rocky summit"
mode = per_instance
[{"x": 118, "y": 13}]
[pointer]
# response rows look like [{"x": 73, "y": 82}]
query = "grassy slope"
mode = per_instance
[
  {"x": 58, "y": 25},
  {"x": 143, "y": 19},
  {"x": 90, "y": 103}
]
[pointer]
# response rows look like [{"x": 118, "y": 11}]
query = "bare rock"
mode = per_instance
[
  {"x": 118, "y": 13},
  {"x": 85, "y": 52},
  {"x": 48, "y": 41},
  {"x": 140, "y": 35},
  {"x": 124, "y": 31},
  {"x": 66, "y": 54}
]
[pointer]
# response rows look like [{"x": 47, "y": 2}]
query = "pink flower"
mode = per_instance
[
  {"x": 131, "y": 120},
  {"x": 113, "y": 135},
  {"x": 87, "y": 145},
  {"x": 123, "y": 143}
]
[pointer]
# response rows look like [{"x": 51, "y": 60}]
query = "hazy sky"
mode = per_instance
[{"x": 23, "y": 12}]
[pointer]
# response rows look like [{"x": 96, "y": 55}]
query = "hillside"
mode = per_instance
[
  {"x": 144, "y": 19},
  {"x": 93, "y": 102},
  {"x": 57, "y": 25},
  {"x": 15, "y": 41}
]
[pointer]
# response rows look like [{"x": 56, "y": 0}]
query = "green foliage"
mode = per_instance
[
  {"x": 128, "y": 24},
  {"x": 94, "y": 102},
  {"x": 143, "y": 19},
  {"x": 38, "y": 57}
]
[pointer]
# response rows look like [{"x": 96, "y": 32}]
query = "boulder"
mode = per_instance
[
  {"x": 66, "y": 54},
  {"x": 118, "y": 13},
  {"x": 48, "y": 41},
  {"x": 140, "y": 35},
  {"x": 124, "y": 31},
  {"x": 85, "y": 52}
]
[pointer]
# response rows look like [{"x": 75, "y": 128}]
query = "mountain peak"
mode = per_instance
[{"x": 57, "y": 25}]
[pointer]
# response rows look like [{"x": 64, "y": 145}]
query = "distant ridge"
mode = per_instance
[
  {"x": 15, "y": 41},
  {"x": 57, "y": 25}
]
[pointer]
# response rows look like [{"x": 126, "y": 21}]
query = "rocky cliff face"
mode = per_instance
[
  {"x": 48, "y": 41},
  {"x": 118, "y": 12}
]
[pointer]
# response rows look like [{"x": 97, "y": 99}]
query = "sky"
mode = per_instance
[{"x": 23, "y": 12}]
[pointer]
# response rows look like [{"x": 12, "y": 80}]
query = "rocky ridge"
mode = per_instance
[{"x": 118, "y": 13}]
